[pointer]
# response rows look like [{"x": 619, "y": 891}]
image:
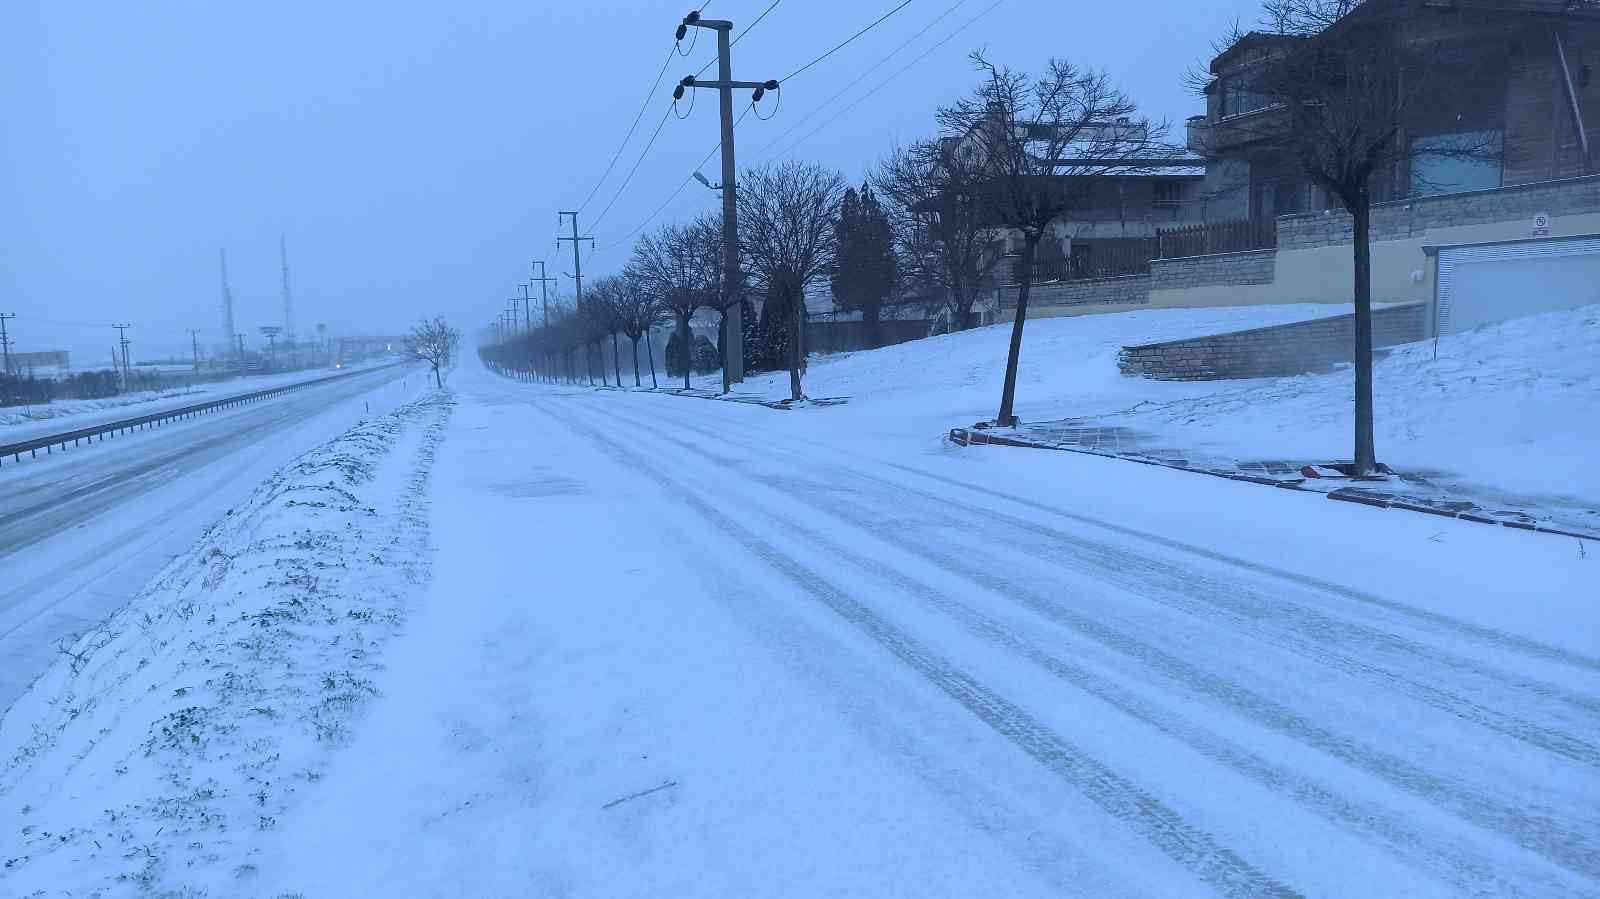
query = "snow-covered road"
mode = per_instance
[
  {"x": 82, "y": 531},
  {"x": 687, "y": 648}
]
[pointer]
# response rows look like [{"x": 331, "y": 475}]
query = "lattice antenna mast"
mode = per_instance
[
  {"x": 227, "y": 304},
  {"x": 288, "y": 306}
]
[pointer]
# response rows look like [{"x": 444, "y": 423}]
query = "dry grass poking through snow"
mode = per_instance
[{"x": 145, "y": 759}]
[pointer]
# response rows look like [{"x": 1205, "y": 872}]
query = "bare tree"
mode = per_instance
[
  {"x": 680, "y": 272},
  {"x": 1039, "y": 144},
  {"x": 634, "y": 311},
  {"x": 434, "y": 342},
  {"x": 786, "y": 236},
  {"x": 1340, "y": 81},
  {"x": 938, "y": 220}
]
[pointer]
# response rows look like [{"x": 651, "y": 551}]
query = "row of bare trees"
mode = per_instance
[{"x": 788, "y": 242}]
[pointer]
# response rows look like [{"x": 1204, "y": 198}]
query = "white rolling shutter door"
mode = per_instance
[{"x": 1479, "y": 285}]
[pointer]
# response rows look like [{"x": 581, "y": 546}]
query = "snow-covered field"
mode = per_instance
[
  {"x": 1510, "y": 412},
  {"x": 165, "y": 741},
  {"x": 23, "y": 422},
  {"x": 683, "y": 648}
]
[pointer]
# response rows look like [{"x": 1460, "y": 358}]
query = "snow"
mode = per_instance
[
  {"x": 163, "y": 739},
  {"x": 18, "y": 423},
  {"x": 661, "y": 647},
  {"x": 1507, "y": 413}
]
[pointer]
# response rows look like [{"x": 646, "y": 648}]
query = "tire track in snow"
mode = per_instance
[
  {"x": 1501, "y": 640},
  {"x": 1535, "y": 832},
  {"x": 1443, "y": 859},
  {"x": 1195, "y": 849},
  {"x": 1276, "y": 621}
]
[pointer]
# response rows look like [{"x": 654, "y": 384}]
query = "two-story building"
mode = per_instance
[{"x": 1464, "y": 233}]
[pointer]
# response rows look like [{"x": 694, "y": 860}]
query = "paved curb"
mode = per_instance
[
  {"x": 695, "y": 394},
  {"x": 978, "y": 437}
]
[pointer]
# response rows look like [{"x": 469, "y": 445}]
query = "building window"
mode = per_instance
[
  {"x": 1241, "y": 93},
  {"x": 1454, "y": 163},
  {"x": 1168, "y": 194}
]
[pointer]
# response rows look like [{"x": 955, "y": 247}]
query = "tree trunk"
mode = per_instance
[
  {"x": 871, "y": 315},
  {"x": 797, "y": 353},
  {"x": 650, "y": 351},
  {"x": 635, "y": 360},
  {"x": 588, "y": 362},
  {"x": 1008, "y": 393},
  {"x": 688, "y": 348},
  {"x": 616, "y": 359},
  {"x": 1366, "y": 460},
  {"x": 437, "y": 381}
]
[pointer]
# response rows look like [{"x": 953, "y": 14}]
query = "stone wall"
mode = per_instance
[
  {"x": 1414, "y": 219},
  {"x": 1123, "y": 290},
  {"x": 1250, "y": 267},
  {"x": 1314, "y": 345}
]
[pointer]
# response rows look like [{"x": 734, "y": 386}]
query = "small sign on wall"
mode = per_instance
[{"x": 1541, "y": 224}]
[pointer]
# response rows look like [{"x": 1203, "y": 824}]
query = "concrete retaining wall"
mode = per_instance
[{"x": 1273, "y": 351}]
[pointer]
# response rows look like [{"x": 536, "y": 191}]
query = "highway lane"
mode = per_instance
[{"x": 82, "y": 531}]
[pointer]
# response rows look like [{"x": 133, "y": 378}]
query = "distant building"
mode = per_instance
[{"x": 22, "y": 363}]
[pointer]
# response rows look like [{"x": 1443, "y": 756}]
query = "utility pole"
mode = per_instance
[
  {"x": 732, "y": 278},
  {"x": 511, "y": 310},
  {"x": 5, "y": 342},
  {"x": 577, "y": 264},
  {"x": 194, "y": 345},
  {"x": 544, "y": 292},
  {"x": 527, "y": 313},
  {"x": 122, "y": 338}
]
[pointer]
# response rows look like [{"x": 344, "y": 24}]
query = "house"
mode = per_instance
[
  {"x": 1130, "y": 188},
  {"x": 1522, "y": 75}
]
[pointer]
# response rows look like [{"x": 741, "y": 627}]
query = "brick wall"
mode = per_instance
[
  {"x": 1130, "y": 290},
  {"x": 1274, "y": 351},
  {"x": 1251, "y": 267},
  {"x": 1407, "y": 219}
]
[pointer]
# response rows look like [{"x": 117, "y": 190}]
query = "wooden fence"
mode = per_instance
[{"x": 1217, "y": 237}]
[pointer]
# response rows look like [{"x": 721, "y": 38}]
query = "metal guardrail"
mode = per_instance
[{"x": 112, "y": 428}]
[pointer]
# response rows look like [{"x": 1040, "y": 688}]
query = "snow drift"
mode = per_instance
[{"x": 143, "y": 760}]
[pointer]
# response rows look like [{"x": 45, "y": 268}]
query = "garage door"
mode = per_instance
[{"x": 1483, "y": 284}]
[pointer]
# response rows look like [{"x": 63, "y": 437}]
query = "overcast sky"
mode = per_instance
[{"x": 415, "y": 155}]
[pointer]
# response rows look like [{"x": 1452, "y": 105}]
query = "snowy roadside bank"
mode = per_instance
[{"x": 146, "y": 758}]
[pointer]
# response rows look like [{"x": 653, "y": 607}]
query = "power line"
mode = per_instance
[
  {"x": 857, "y": 80},
  {"x": 740, "y": 36},
  {"x": 671, "y": 52},
  {"x": 837, "y": 47},
  {"x": 672, "y": 196},
  {"x": 665, "y": 113},
  {"x": 897, "y": 73}
]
